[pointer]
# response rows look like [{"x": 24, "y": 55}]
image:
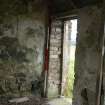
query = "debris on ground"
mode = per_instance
[{"x": 24, "y": 101}]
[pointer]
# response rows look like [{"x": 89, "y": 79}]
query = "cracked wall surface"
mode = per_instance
[{"x": 22, "y": 34}]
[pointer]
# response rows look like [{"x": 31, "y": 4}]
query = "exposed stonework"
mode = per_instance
[
  {"x": 88, "y": 55},
  {"x": 54, "y": 60},
  {"x": 22, "y": 34}
]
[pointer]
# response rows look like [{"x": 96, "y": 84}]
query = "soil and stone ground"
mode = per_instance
[{"x": 38, "y": 101}]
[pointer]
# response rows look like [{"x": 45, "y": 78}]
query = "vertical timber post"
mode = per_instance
[
  {"x": 61, "y": 62},
  {"x": 48, "y": 46}
]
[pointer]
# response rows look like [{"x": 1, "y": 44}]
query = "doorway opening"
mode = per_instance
[{"x": 69, "y": 47}]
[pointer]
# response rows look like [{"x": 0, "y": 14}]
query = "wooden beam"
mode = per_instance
[{"x": 61, "y": 62}]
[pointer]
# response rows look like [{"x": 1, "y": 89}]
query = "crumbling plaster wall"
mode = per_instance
[
  {"x": 88, "y": 55},
  {"x": 22, "y": 34}
]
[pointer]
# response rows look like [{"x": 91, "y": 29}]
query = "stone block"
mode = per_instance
[
  {"x": 53, "y": 48},
  {"x": 58, "y": 30},
  {"x": 54, "y": 41},
  {"x": 54, "y": 56}
]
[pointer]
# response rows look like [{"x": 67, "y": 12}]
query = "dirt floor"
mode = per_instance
[
  {"x": 60, "y": 101},
  {"x": 38, "y": 101},
  {"x": 31, "y": 101}
]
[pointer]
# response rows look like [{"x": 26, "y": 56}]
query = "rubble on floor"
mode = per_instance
[{"x": 31, "y": 101}]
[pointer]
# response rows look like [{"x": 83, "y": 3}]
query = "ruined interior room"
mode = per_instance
[{"x": 52, "y": 52}]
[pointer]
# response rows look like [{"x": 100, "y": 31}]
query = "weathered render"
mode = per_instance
[
  {"x": 23, "y": 27},
  {"x": 22, "y": 35},
  {"x": 88, "y": 54}
]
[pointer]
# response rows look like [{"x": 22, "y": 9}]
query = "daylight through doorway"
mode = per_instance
[{"x": 69, "y": 46}]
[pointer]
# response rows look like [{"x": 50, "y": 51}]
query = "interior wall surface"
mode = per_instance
[
  {"x": 55, "y": 59},
  {"x": 88, "y": 54},
  {"x": 22, "y": 35}
]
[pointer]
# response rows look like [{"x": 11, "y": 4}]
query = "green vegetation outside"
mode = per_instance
[{"x": 70, "y": 80}]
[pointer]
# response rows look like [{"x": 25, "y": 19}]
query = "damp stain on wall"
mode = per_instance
[{"x": 22, "y": 35}]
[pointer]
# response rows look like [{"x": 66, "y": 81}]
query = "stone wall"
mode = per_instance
[
  {"x": 88, "y": 55},
  {"x": 22, "y": 34},
  {"x": 55, "y": 59}
]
